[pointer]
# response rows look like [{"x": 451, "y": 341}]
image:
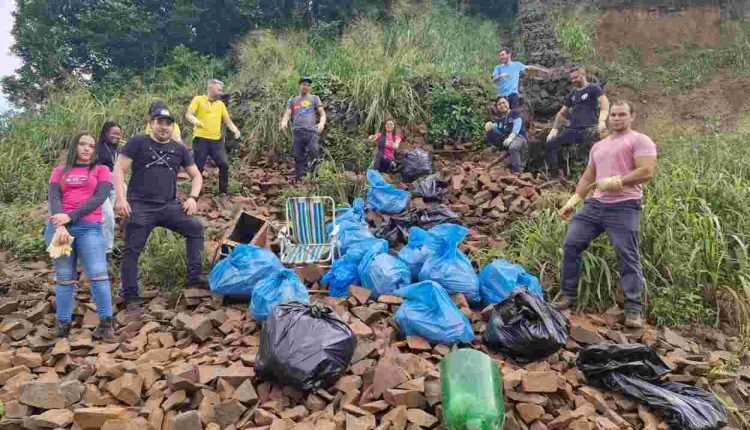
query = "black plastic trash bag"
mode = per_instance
[
  {"x": 525, "y": 328},
  {"x": 305, "y": 346},
  {"x": 636, "y": 370},
  {"x": 417, "y": 163},
  {"x": 429, "y": 188},
  {"x": 428, "y": 218},
  {"x": 395, "y": 230}
]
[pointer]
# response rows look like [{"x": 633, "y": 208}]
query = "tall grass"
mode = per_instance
[
  {"x": 694, "y": 236},
  {"x": 375, "y": 66}
]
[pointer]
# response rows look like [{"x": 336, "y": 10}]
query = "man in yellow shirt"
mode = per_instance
[{"x": 207, "y": 113}]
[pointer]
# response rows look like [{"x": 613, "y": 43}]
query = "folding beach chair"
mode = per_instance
[{"x": 304, "y": 239}]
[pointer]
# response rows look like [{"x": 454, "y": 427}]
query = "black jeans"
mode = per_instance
[
  {"x": 569, "y": 136},
  {"x": 305, "y": 147},
  {"x": 143, "y": 218},
  {"x": 621, "y": 221},
  {"x": 202, "y": 148}
]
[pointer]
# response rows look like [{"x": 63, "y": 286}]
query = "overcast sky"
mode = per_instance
[{"x": 8, "y": 63}]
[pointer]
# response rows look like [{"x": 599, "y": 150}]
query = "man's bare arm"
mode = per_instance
[
  {"x": 645, "y": 167},
  {"x": 285, "y": 119},
  {"x": 537, "y": 69},
  {"x": 560, "y": 118},
  {"x": 230, "y": 125},
  {"x": 196, "y": 180},
  {"x": 584, "y": 183},
  {"x": 122, "y": 165}
]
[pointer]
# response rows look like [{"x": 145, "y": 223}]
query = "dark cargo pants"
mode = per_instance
[{"x": 621, "y": 221}]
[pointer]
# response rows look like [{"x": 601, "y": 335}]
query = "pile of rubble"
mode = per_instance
[{"x": 190, "y": 366}]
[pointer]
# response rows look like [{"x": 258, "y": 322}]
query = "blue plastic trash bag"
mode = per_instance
[
  {"x": 383, "y": 273},
  {"x": 242, "y": 269},
  {"x": 282, "y": 287},
  {"x": 343, "y": 273},
  {"x": 416, "y": 252},
  {"x": 499, "y": 278},
  {"x": 384, "y": 197},
  {"x": 450, "y": 267},
  {"x": 355, "y": 213},
  {"x": 429, "y": 312},
  {"x": 351, "y": 232}
]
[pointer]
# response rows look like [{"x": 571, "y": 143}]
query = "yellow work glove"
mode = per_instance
[
  {"x": 613, "y": 183},
  {"x": 568, "y": 208},
  {"x": 509, "y": 140},
  {"x": 487, "y": 127},
  {"x": 61, "y": 245},
  {"x": 552, "y": 134}
]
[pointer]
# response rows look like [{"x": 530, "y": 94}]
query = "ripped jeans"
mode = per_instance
[{"x": 90, "y": 246}]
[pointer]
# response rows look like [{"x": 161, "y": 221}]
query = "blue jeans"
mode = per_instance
[
  {"x": 518, "y": 149},
  {"x": 621, "y": 221},
  {"x": 90, "y": 246}
]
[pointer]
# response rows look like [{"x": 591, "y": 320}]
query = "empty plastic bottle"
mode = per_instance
[{"x": 472, "y": 391}]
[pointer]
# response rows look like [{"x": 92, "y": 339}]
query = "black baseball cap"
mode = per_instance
[
  {"x": 305, "y": 79},
  {"x": 162, "y": 114}
]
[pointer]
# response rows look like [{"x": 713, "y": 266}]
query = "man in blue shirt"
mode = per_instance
[
  {"x": 508, "y": 131},
  {"x": 507, "y": 74}
]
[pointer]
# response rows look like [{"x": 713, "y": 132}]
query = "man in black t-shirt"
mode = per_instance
[
  {"x": 151, "y": 201},
  {"x": 586, "y": 110}
]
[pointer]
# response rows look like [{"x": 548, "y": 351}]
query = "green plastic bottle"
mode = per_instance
[{"x": 472, "y": 391}]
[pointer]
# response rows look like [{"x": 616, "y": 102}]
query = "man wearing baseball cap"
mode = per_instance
[
  {"x": 150, "y": 200},
  {"x": 309, "y": 117}
]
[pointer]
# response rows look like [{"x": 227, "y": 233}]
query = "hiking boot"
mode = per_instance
[
  {"x": 105, "y": 331},
  {"x": 564, "y": 304},
  {"x": 133, "y": 305},
  {"x": 633, "y": 320},
  {"x": 63, "y": 329},
  {"x": 200, "y": 282}
]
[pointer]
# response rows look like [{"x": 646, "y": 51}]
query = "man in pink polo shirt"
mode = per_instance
[{"x": 618, "y": 167}]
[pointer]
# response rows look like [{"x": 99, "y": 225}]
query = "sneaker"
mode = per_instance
[
  {"x": 200, "y": 282},
  {"x": 633, "y": 320},
  {"x": 563, "y": 304},
  {"x": 105, "y": 331},
  {"x": 63, "y": 329}
]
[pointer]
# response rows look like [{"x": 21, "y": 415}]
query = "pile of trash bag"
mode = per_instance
[
  {"x": 448, "y": 266},
  {"x": 305, "y": 346},
  {"x": 429, "y": 312},
  {"x": 430, "y": 188},
  {"x": 239, "y": 273},
  {"x": 499, "y": 278},
  {"x": 342, "y": 274},
  {"x": 416, "y": 163},
  {"x": 383, "y": 273},
  {"x": 384, "y": 197},
  {"x": 416, "y": 251},
  {"x": 525, "y": 328},
  {"x": 636, "y": 371},
  {"x": 283, "y": 286},
  {"x": 394, "y": 230},
  {"x": 430, "y": 217}
]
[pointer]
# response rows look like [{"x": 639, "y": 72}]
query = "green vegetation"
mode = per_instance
[
  {"x": 380, "y": 70},
  {"x": 432, "y": 68},
  {"x": 694, "y": 236},
  {"x": 676, "y": 71}
]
